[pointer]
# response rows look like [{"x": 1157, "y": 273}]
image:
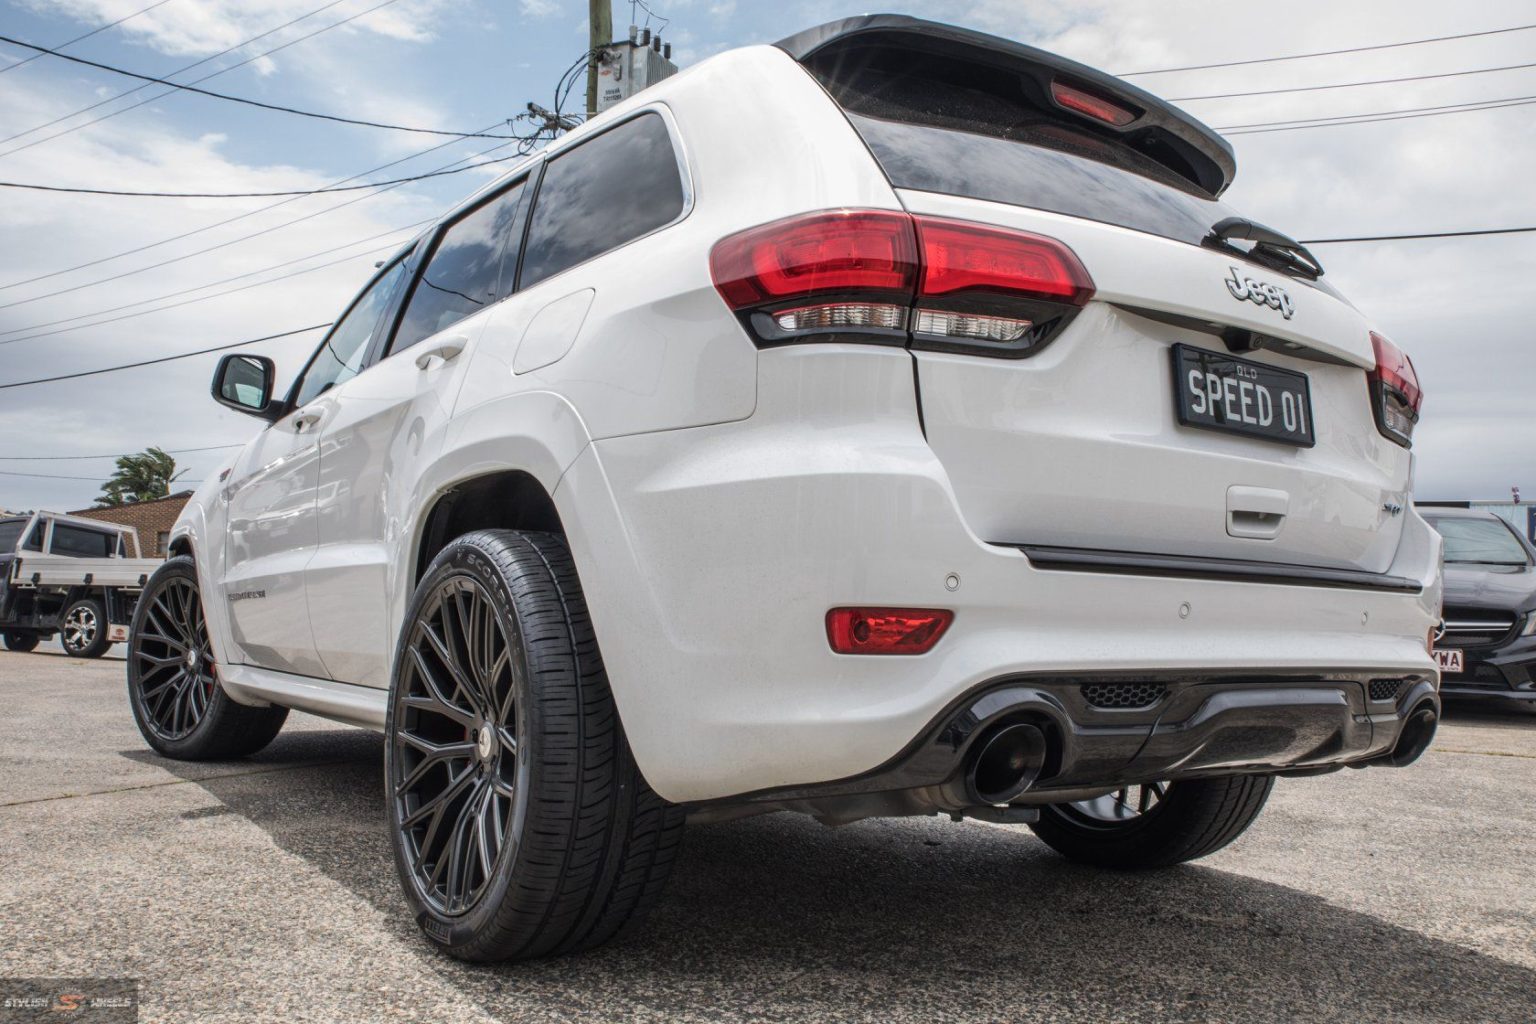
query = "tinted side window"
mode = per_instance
[
  {"x": 464, "y": 274},
  {"x": 605, "y": 192},
  {"x": 341, "y": 356},
  {"x": 82, "y": 543}
]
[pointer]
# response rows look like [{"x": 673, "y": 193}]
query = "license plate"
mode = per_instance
[
  {"x": 1217, "y": 391},
  {"x": 1449, "y": 659}
]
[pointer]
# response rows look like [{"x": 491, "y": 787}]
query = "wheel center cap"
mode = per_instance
[
  {"x": 485, "y": 743},
  {"x": 192, "y": 661}
]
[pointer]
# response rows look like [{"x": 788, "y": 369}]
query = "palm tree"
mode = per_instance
[{"x": 142, "y": 477}]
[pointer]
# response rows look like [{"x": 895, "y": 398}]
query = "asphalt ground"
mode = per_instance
[{"x": 264, "y": 890}]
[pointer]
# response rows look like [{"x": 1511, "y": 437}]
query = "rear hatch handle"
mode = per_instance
[
  {"x": 1270, "y": 247},
  {"x": 1256, "y": 513}
]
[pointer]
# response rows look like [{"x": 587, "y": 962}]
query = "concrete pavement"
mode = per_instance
[{"x": 264, "y": 890}]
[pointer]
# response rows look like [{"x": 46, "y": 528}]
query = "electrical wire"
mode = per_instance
[
  {"x": 162, "y": 359},
  {"x": 178, "y": 71},
  {"x": 95, "y": 31},
  {"x": 49, "y": 476},
  {"x": 201, "y": 298},
  {"x": 1389, "y": 115},
  {"x": 220, "y": 245},
  {"x": 115, "y": 455},
  {"x": 1324, "y": 53},
  {"x": 1427, "y": 234},
  {"x": 1347, "y": 85},
  {"x": 267, "y": 195},
  {"x": 222, "y": 280},
  {"x": 245, "y": 100}
]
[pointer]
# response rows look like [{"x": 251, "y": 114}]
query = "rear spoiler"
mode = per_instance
[{"x": 1199, "y": 154}]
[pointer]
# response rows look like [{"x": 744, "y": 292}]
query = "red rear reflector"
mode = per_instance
[
  {"x": 959, "y": 256},
  {"x": 842, "y": 251},
  {"x": 1097, "y": 107},
  {"x": 886, "y": 630}
]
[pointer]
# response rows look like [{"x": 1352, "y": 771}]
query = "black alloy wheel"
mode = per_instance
[
  {"x": 521, "y": 825},
  {"x": 173, "y": 676},
  {"x": 174, "y": 659},
  {"x": 457, "y": 780}
]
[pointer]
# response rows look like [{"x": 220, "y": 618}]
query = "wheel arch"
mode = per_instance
[{"x": 508, "y": 499}]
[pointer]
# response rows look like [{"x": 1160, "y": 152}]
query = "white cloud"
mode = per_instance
[
  {"x": 202, "y": 27},
  {"x": 540, "y": 8},
  {"x": 130, "y": 410}
]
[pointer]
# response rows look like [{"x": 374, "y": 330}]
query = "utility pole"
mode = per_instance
[{"x": 600, "y": 34}]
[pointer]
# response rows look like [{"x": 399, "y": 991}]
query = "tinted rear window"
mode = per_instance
[
  {"x": 10, "y": 533},
  {"x": 940, "y": 124},
  {"x": 1026, "y": 174}
]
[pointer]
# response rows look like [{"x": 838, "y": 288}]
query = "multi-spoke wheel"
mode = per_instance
[
  {"x": 173, "y": 682},
  {"x": 83, "y": 629},
  {"x": 1155, "y": 824},
  {"x": 521, "y": 826},
  {"x": 455, "y": 771},
  {"x": 174, "y": 659}
]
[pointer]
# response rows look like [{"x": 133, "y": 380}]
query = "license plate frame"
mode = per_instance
[
  {"x": 1450, "y": 659},
  {"x": 1247, "y": 398}
]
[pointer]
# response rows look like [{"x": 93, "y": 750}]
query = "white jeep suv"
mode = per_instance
[{"x": 889, "y": 421}]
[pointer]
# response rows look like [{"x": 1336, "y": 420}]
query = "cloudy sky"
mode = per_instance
[{"x": 164, "y": 271}]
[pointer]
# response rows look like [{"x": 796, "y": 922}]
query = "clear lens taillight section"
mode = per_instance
[
  {"x": 1396, "y": 397},
  {"x": 875, "y": 275},
  {"x": 886, "y": 630}
]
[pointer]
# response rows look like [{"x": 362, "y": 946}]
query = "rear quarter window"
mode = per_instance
[{"x": 601, "y": 194}]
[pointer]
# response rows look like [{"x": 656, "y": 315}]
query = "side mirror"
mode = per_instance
[{"x": 244, "y": 383}]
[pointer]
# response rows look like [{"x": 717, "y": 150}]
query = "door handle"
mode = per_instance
[
  {"x": 304, "y": 420},
  {"x": 445, "y": 349}
]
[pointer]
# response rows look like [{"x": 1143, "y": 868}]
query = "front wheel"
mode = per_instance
[
  {"x": 1157, "y": 824},
  {"x": 21, "y": 643},
  {"x": 173, "y": 678},
  {"x": 83, "y": 631},
  {"x": 520, "y": 822}
]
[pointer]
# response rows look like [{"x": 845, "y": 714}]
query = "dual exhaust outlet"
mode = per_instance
[{"x": 1008, "y": 760}]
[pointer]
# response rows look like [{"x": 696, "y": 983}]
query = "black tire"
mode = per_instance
[
  {"x": 578, "y": 845},
  {"x": 173, "y": 687},
  {"x": 83, "y": 629},
  {"x": 21, "y": 643},
  {"x": 1192, "y": 819}
]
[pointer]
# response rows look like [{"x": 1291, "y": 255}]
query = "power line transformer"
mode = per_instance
[{"x": 629, "y": 66}]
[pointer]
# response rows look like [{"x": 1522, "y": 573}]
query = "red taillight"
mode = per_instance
[
  {"x": 886, "y": 630},
  {"x": 875, "y": 275},
  {"x": 1396, "y": 396},
  {"x": 824, "y": 253},
  {"x": 959, "y": 256},
  {"x": 1082, "y": 101}
]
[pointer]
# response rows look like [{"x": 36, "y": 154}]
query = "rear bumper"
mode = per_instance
[
  {"x": 710, "y": 556},
  {"x": 1199, "y": 726}
]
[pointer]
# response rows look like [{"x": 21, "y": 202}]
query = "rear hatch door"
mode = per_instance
[{"x": 1205, "y": 403}]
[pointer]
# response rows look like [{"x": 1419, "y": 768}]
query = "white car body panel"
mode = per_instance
[{"x": 719, "y": 499}]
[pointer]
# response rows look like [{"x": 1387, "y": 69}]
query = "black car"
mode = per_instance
[{"x": 1490, "y": 606}]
